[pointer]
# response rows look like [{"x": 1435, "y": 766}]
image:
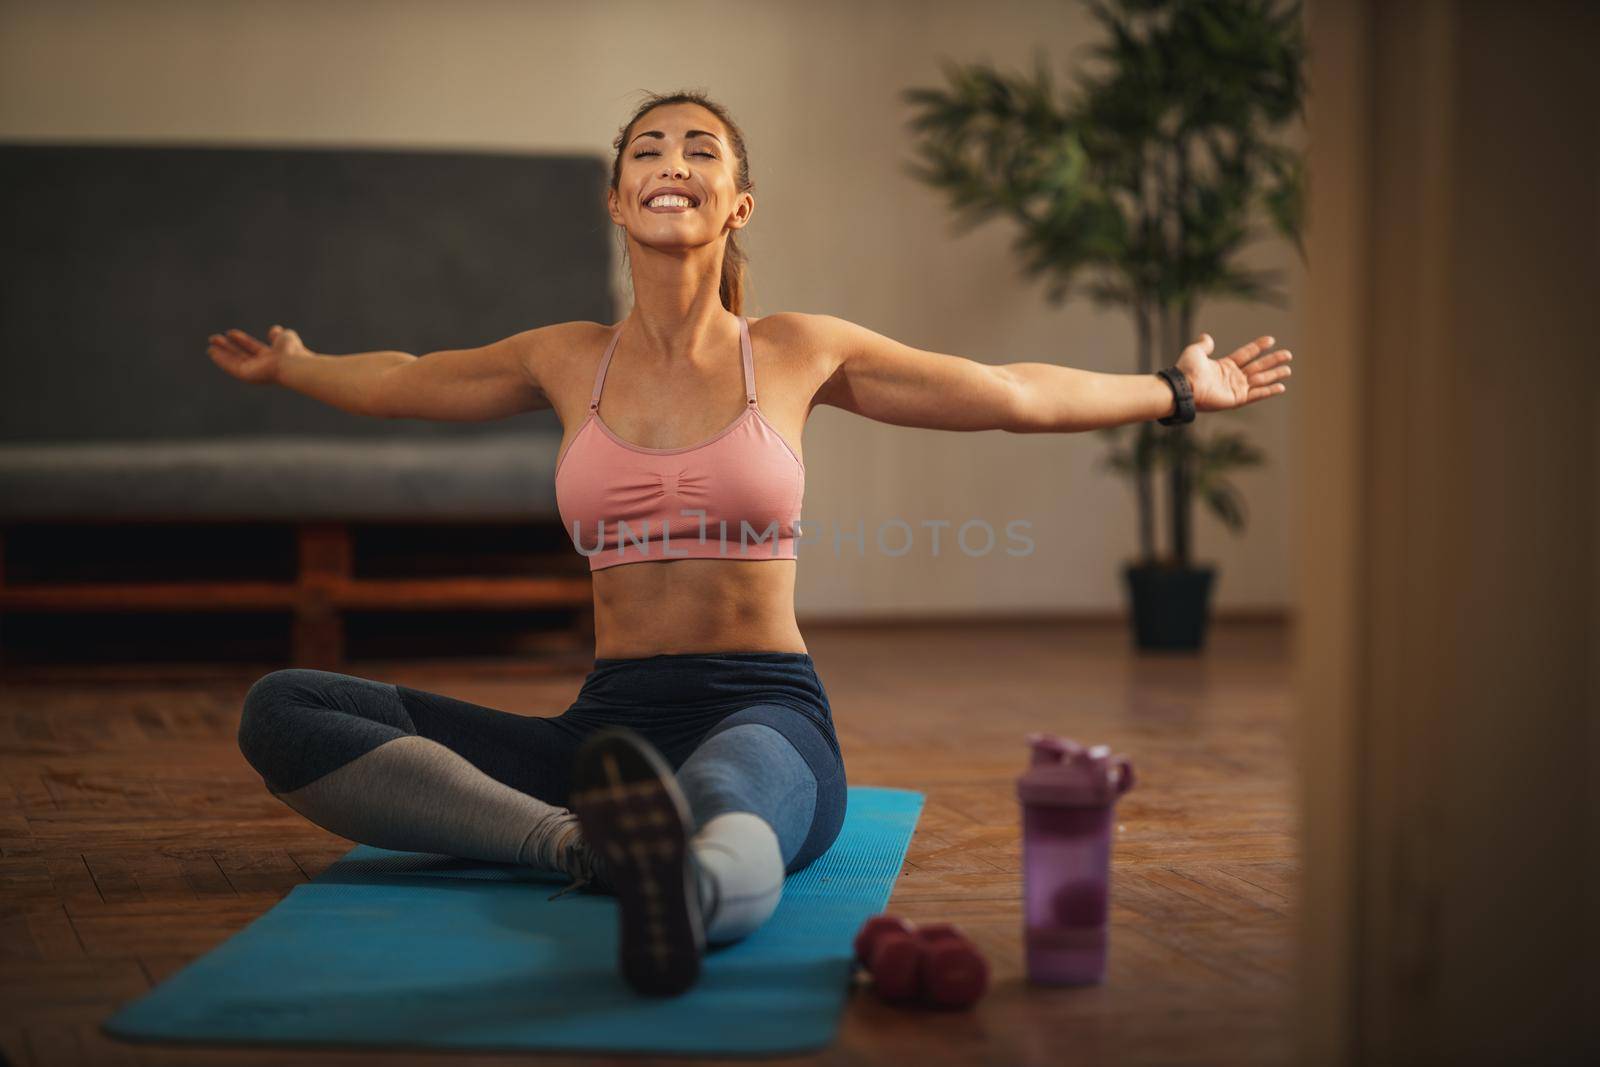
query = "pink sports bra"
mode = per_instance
[{"x": 735, "y": 495}]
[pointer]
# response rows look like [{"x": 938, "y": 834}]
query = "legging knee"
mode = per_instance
[
  {"x": 298, "y": 724},
  {"x": 752, "y": 768},
  {"x": 266, "y": 721}
]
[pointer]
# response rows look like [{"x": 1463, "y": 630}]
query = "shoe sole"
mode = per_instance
[{"x": 637, "y": 821}]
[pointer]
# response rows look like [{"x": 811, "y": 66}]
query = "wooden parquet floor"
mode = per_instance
[{"x": 134, "y": 837}]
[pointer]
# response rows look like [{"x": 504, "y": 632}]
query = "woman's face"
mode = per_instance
[{"x": 683, "y": 148}]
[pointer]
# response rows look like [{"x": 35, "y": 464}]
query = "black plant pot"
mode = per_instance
[{"x": 1171, "y": 605}]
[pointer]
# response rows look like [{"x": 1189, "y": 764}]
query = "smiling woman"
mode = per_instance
[{"x": 729, "y": 774}]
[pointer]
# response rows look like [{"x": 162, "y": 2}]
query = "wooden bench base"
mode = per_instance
[{"x": 317, "y": 574}]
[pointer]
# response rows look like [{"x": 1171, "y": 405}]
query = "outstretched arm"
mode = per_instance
[
  {"x": 887, "y": 381},
  {"x": 455, "y": 385}
]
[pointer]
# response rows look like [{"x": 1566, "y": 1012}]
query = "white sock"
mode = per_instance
[{"x": 741, "y": 873}]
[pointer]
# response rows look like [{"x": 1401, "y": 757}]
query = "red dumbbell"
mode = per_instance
[
  {"x": 954, "y": 973},
  {"x": 935, "y": 964},
  {"x": 874, "y": 928},
  {"x": 887, "y": 948}
]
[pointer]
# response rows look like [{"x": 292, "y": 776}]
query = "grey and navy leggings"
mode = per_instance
[{"x": 299, "y": 725}]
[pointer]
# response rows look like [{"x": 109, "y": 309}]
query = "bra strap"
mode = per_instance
[
  {"x": 749, "y": 361},
  {"x": 600, "y": 375}
]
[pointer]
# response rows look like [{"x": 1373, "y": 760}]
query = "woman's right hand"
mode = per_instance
[{"x": 248, "y": 359}]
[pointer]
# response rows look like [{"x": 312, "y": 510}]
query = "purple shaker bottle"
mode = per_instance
[{"x": 1068, "y": 796}]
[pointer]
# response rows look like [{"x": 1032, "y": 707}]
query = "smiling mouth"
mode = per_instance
[{"x": 669, "y": 203}]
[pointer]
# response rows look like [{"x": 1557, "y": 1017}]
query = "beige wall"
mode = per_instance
[{"x": 839, "y": 227}]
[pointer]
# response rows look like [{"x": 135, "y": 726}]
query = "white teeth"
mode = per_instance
[{"x": 670, "y": 200}]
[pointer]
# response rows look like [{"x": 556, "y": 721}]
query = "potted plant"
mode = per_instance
[{"x": 1139, "y": 186}]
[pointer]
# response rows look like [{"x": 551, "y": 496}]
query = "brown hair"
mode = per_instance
[{"x": 735, "y": 283}]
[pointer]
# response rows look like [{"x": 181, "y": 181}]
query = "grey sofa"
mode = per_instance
[{"x": 120, "y": 260}]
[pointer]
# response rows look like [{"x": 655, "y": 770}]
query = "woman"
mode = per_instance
[{"x": 699, "y": 759}]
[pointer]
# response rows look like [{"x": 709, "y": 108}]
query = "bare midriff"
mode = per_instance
[{"x": 695, "y": 605}]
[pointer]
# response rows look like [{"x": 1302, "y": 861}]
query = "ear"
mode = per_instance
[
  {"x": 744, "y": 205},
  {"x": 614, "y": 206}
]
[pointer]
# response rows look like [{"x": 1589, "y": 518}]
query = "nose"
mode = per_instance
[{"x": 674, "y": 170}]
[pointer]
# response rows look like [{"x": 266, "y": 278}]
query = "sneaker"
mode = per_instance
[
  {"x": 578, "y": 861},
  {"x": 637, "y": 823}
]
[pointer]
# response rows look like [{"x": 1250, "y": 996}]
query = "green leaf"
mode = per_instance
[{"x": 1228, "y": 506}]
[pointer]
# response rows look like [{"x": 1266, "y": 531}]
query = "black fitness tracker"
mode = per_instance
[{"x": 1181, "y": 393}]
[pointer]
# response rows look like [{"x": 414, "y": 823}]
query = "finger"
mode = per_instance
[
  {"x": 1266, "y": 377},
  {"x": 1246, "y": 353},
  {"x": 249, "y": 344},
  {"x": 1272, "y": 359},
  {"x": 227, "y": 347},
  {"x": 1263, "y": 392}
]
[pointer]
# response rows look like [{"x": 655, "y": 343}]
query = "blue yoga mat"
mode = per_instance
[{"x": 407, "y": 949}]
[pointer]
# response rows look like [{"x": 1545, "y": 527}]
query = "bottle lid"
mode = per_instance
[{"x": 1065, "y": 773}]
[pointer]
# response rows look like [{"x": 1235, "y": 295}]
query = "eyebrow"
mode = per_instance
[{"x": 691, "y": 133}]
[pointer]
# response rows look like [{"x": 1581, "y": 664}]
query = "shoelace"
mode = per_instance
[
  {"x": 582, "y": 866},
  {"x": 577, "y": 883},
  {"x": 579, "y": 855}
]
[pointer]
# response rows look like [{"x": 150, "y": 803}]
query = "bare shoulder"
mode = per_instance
[
  {"x": 797, "y": 331},
  {"x": 552, "y": 354},
  {"x": 826, "y": 338},
  {"x": 808, "y": 345},
  {"x": 560, "y": 359},
  {"x": 550, "y": 348}
]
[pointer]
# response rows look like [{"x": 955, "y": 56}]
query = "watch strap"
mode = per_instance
[{"x": 1181, "y": 393}]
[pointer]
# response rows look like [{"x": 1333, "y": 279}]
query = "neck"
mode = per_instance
[{"x": 677, "y": 306}]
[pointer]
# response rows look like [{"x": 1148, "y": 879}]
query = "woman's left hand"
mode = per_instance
[{"x": 1239, "y": 378}]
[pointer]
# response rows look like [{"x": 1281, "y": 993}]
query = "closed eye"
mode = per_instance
[{"x": 652, "y": 152}]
